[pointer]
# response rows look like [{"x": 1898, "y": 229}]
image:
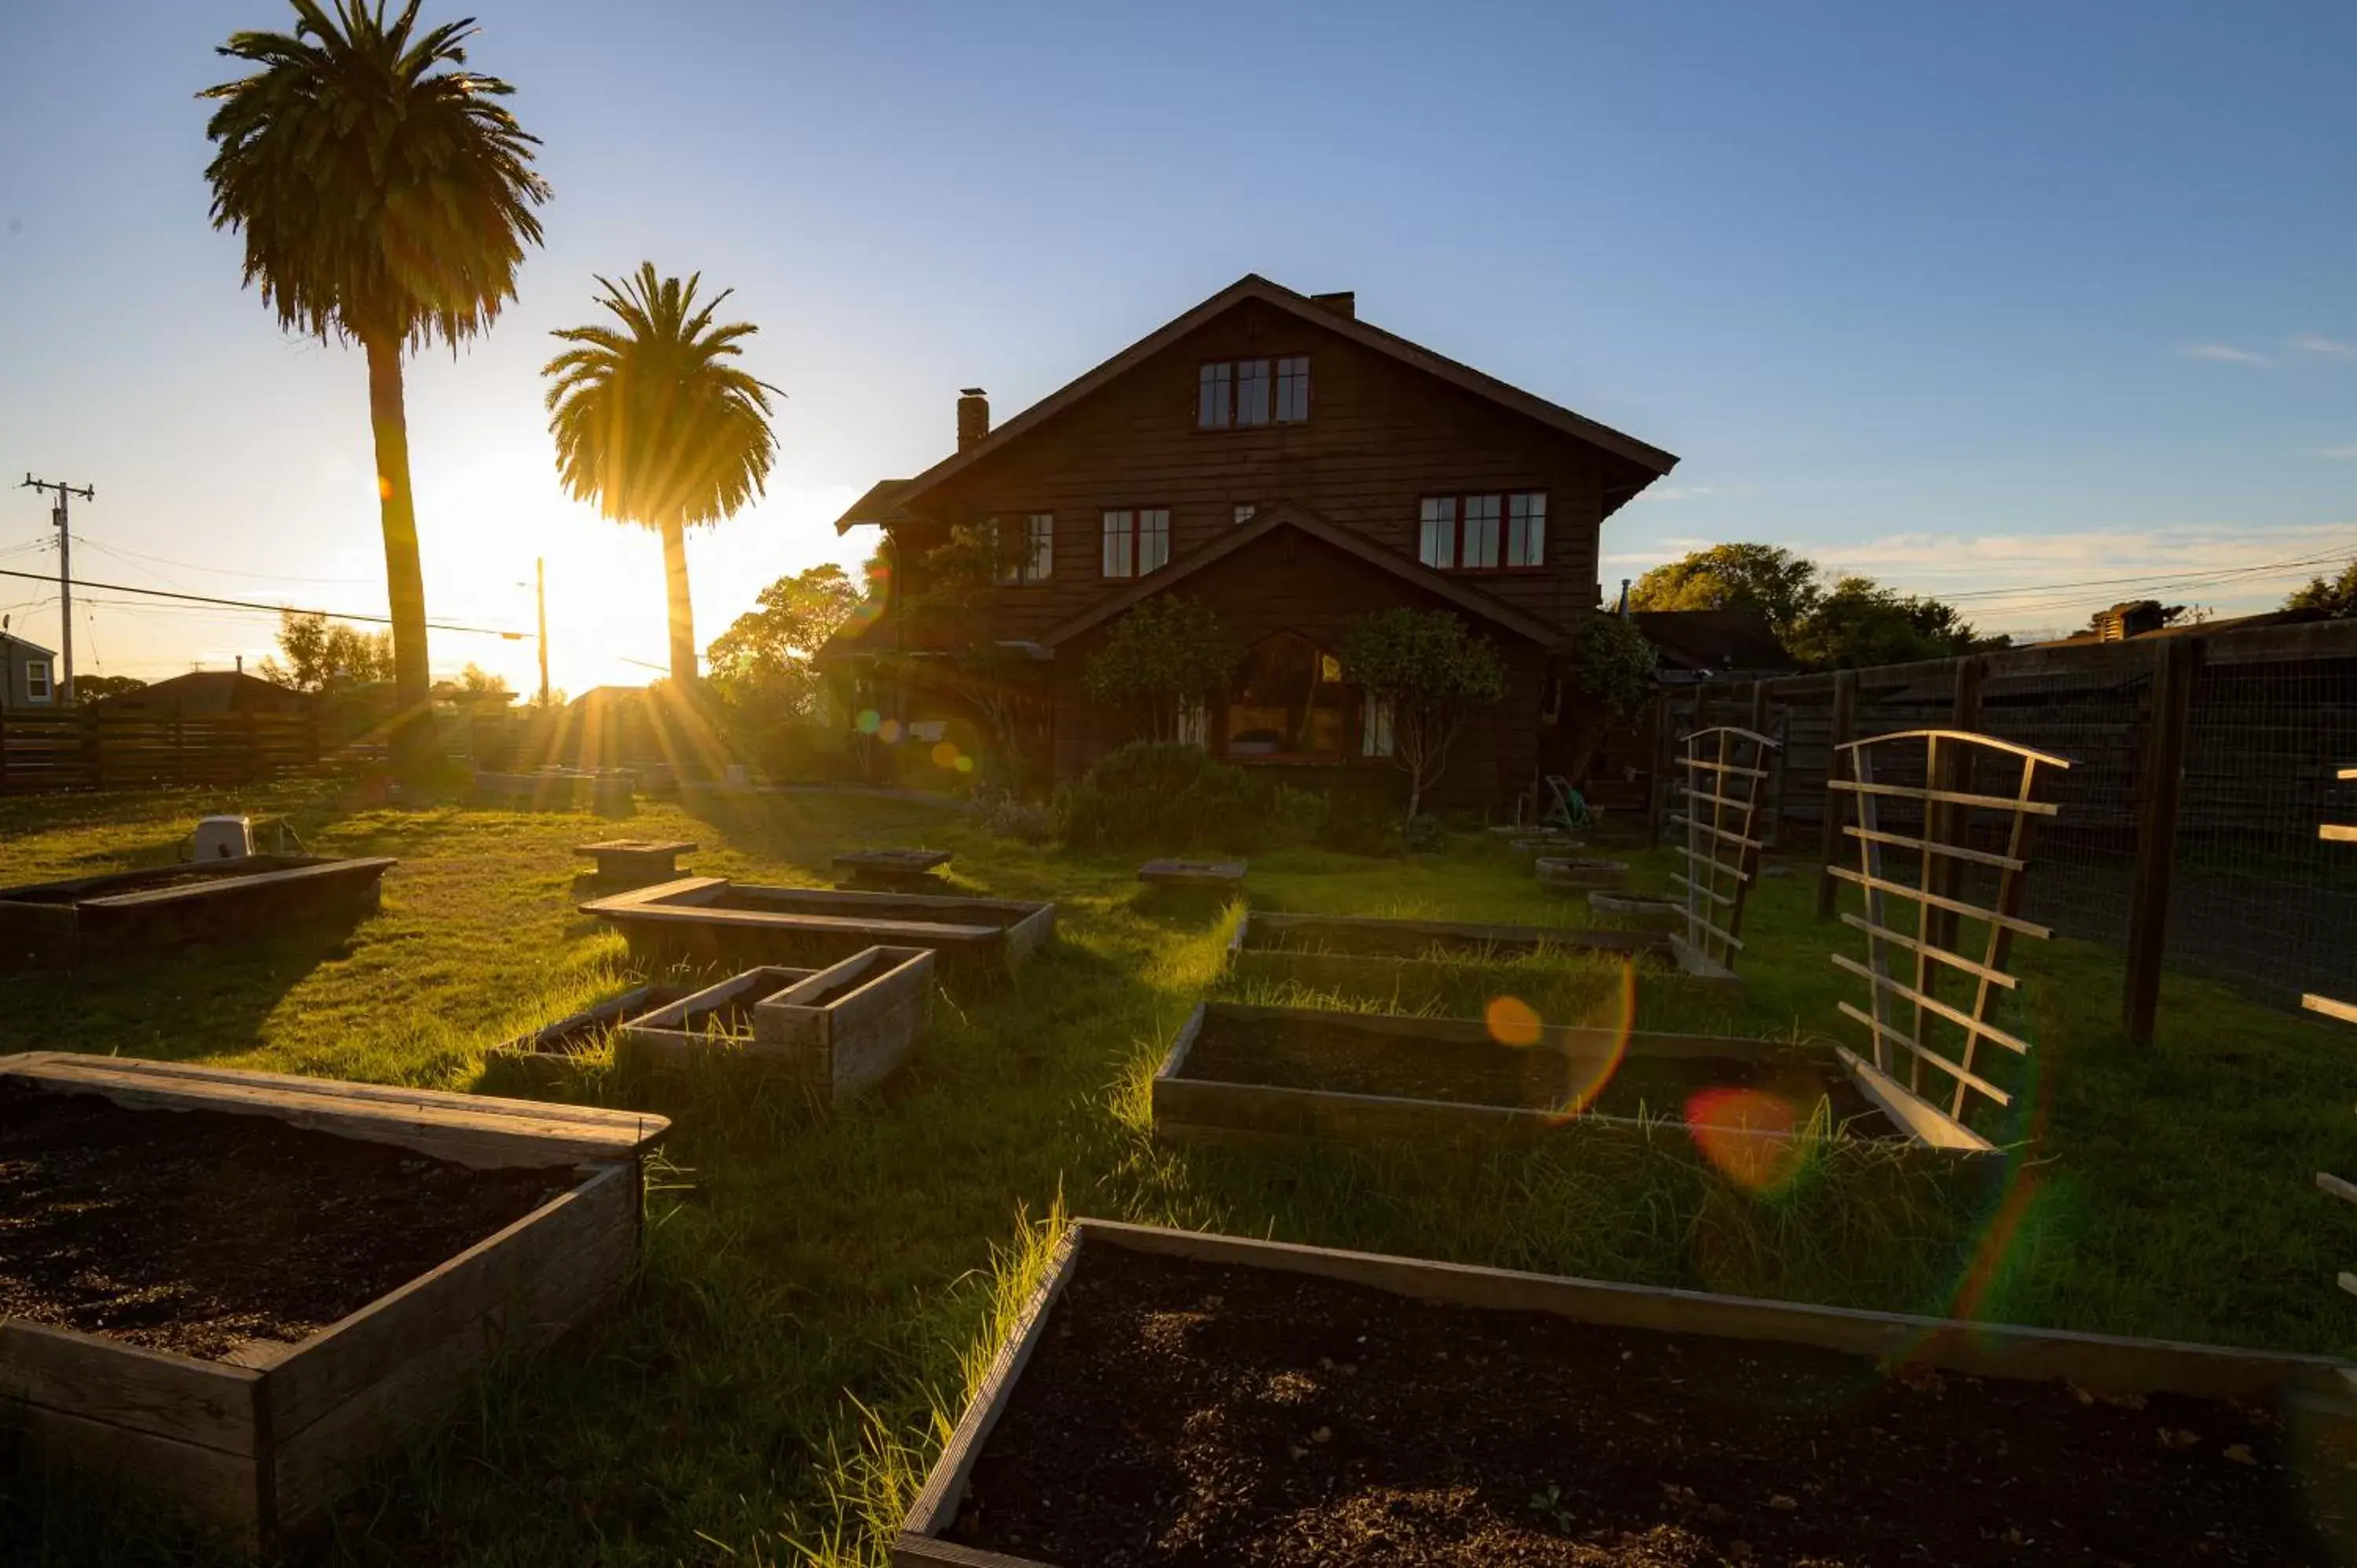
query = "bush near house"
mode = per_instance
[{"x": 1175, "y": 796}]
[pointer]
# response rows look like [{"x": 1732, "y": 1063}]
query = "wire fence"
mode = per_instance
[{"x": 2270, "y": 715}]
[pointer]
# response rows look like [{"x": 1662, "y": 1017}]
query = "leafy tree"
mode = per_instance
[
  {"x": 476, "y": 687},
  {"x": 1862, "y": 624},
  {"x": 1433, "y": 674},
  {"x": 657, "y": 427},
  {"x": 96, "y": 688},
  {"x": 945, "y": 613},
  {"x": 763, "y": 661},
  {"x": 1162, "y": 657},
  {"x": 2336, "y": 598},
  {"x": 1612, "y": 677},
  {"x": 322, "y": 655},
  {"x": 386, "y": 198},
  {"x": 1766, "y": 577}
]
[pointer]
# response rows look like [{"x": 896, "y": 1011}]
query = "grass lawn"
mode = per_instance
[{"x": 820, "y": 1289}]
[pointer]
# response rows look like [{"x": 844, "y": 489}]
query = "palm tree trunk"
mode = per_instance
[
  {"x": 682, "y": 613},
  {"x": 404, "y": 577}
]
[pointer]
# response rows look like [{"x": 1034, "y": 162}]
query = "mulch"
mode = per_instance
[
  {"x": 194, "y": 1231},
  {"x": 1181, "y": 1413}
]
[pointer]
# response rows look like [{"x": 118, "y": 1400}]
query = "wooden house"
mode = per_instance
[{"x": 1273, "y": 456}]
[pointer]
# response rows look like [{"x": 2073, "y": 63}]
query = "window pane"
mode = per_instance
[
  {"x": 1153, "y": 540},
  {"x": 1480, "y": 550},
  {"x": 1252, "y": 391},
  {"x": 1117, "y": 558},
  {"x": 1526, "y": 529},
  {"x": 1043, "y": 547},
  {"x": 1292, "y": 390},
  {"x": 1246, "y": 512},
  {"x": 1212, "y": 397},
  {"x": 1437, "y": 535},
  {"x": 1375, "y": 728}
]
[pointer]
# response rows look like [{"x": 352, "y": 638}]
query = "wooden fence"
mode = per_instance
[
  {"x": 2199, "y": 765},
  {"x": 91, "y": 748}
]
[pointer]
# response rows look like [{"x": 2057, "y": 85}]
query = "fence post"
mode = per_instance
[
  {"x": 2161, "y": 770},
  {"x": 1829, "y": 848},
  {"x": 93, "y": 746}
]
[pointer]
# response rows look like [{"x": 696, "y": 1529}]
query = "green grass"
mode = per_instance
[{"x": 820, "y": 1291}]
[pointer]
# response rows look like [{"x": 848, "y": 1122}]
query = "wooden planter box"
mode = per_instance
[
  {"x": 1192, "y": 1108},
  {"x": 839, "y": 1029},
  {"x": 262, "y": 1446},
  {"x": 908, "y": 869},
  {"x": 636, "y": 863},
  {"x": 1411, "y": 959},
  {"x": 1653, "y": 914},
  {"x": 2315, "y": 1390},
  {"x": 1194, "y": 876},
  {"x": 1574, "y": 873},
  {"x": 198, "y": 900},
  {"x": 709, "y": 919}
]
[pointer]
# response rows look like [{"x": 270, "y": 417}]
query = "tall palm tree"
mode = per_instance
[
  {"x": 655, "y": 425},
  {"x": 386, "y": 198}
]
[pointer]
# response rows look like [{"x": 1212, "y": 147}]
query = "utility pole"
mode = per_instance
[
  {"x": 58, "y": 514},
  {"x": 540, "y": 596}
]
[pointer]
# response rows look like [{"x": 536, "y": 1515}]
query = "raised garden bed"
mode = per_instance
[
  {"x": 909, "y": 870},
  {"x": 1417, "y": 962},
  {"x": 234, "y": 1289},
  {"x": 196, "y": 900},
  {"x": 1194, "y": 876},
  {"x": 1167, "y": 1397},
  {"x": 1653, "y": 914},
  {"x": 1237, "y": 1072},
  {"x": 1578, "y": 873},
  {"x": 710, "y": 919},
  {"x": 635, "y": 862},
  {"x": 840, "y": 1029}
]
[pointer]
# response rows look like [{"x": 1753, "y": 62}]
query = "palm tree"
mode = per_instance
[
  {"x": 656, "y": 426},
  {"x": 386, "y": 198}
]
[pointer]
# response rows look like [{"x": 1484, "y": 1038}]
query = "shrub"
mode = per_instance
[
  {"x": 1006, "y": 815},
  {"x": 1165, "y": 656},
  {"x": 1172, "y": 796}
]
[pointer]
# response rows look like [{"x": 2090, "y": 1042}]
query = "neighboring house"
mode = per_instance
[
  {"x": 205, "y": 693},
  {"x": 28, "y": 674},
  {"x": 1714, "y": 645},
  {"x": 1295, "y": 468}
]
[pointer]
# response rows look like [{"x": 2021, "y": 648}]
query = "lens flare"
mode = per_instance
[
  {"x": 1747, "y": 1133},
  {"x": 869, "y": 721},
  {"x": 1594, "y": 1046},
  {"x": 1512, "y": 1021},
  {"x": 965, "y": 764},
  {"x": 945, "y": 753},
  {"x": 888, "y": 732}
]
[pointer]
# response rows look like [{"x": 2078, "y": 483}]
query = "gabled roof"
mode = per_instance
[
  {"x": 886, "y": 501},
  {"x": 1285, "y": 514},
  {"x": 210, "y": 692},
  {"x": 24, "y": 642}
]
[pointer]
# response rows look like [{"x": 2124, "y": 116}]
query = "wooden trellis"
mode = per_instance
[
  {"x": 2332, "y": 1007},
  {"x": 1726, "y": 779},
  {"x": 1977, "y": 793}
]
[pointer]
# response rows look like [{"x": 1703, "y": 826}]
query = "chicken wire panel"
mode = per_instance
[{"x": 2259, "y": 898}]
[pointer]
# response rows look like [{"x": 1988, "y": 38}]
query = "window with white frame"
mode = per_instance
[
  {"x": 1137, "y": 540},
  {"x": 36, "y": 680},
  {"x": 1026, "y": 548},
  {"x": 1194, "y": 725},
  {"x": 1484, "y": 532},
  {"x": 1242, "y": 394},
  {"x": 1374, "y": 728},
  {"x": 1246, "y": 512}
]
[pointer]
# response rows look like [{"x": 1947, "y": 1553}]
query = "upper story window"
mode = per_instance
[
  {"x": 1137, "y": 540},
  {"x": 1484, "y": 532},
  {"x": 1026, "y": 548},
  {"x": 1240, "y": 393},
  {"x": 1246, "y": 512},
  {"x": 37, "y": 680}
]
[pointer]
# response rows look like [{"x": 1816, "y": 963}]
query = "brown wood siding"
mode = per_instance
[
  {"x": 1381, "y": 435},
  {"x": 1289, "y": 582}
]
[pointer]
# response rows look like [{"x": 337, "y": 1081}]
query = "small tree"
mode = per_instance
[
  {"x": 1612, "y": 677},
  {"x": 1432, "y": 674},
  {"x": 322, "y": 655},
  {"x": 762, "y": 665},
  {"x": 2336, "y": 596},
  {"x": 947, "y": 608},
  {"x": 1164, "y": 657}
]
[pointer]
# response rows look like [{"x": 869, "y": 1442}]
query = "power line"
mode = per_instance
[
  {"x": 64, "y": 582},
  {"x": 2197, "y": 578},
  {"x": 221, "y": 571}
]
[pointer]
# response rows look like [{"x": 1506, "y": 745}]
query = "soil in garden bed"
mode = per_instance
[
  {"x": 1360, "y": 941},
  {"x": 1184, "y": 1413},
  {"x": 195, "y": 1231},
  {"x": 1299, "y": 1053}
]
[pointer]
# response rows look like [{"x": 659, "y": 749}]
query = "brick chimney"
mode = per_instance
[
  {"x": 1344, "y": 304},
  {"x": 973, "y": 416}
]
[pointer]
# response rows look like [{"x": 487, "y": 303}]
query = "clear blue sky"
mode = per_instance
[{"x": 1973, "y": 298}]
